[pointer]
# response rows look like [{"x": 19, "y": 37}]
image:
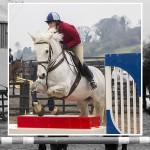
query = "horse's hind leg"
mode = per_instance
[
  {"x": 83, "y": 106},
  {"x": 99, "y": 109}
]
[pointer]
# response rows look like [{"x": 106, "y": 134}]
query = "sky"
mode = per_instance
[
  {"x": 24, "y": 18},
  {"x": 146, "y": 9}
]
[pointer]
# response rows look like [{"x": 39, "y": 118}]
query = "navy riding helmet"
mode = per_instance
[{"x": 52, "y": 16}]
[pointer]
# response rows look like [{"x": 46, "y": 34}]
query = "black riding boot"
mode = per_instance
[{"x": 89, "y": 75}]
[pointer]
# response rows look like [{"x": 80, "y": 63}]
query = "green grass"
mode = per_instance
[{"x": 130, "y": 49}]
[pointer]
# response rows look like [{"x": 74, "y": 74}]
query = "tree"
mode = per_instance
[{"x": 84, "y": 32}]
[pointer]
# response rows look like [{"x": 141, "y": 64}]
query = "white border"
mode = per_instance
[{"x": 141, "y": 65}]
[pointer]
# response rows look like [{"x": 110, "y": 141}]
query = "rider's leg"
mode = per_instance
[{"x": 78, "y": 51}]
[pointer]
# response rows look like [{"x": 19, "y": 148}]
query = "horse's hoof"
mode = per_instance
[
  {"x": 55, "y": 111},
  {"x": 39, "y": 110},
  {"x": 41, "y": 113}
]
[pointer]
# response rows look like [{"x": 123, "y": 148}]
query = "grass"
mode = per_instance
[{"x": 130, "y": 49}]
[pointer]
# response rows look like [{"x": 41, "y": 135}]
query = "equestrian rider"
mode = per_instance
[
  {"x": 11, "y": 59},
  {"x": 71, "y": 41}
]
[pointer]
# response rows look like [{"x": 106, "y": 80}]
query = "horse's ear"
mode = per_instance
[{"x": 33, "y": 38}]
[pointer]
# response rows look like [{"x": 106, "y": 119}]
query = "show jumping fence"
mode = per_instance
[
  {"x": 74, "y": 140},
  {"x": 123, "y": 104}
]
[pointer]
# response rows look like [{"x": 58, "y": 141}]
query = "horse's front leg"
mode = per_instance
[
  {"x": 38, "y": 86},
  {"x": 58, "y": 91},
  {"x": 35, "y": 87}
]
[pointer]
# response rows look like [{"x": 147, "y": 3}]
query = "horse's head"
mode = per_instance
[
  {"x": 47, "y": 48},
  {"x": 15, "y": 69},
  {"x": 18, "y": 64}
]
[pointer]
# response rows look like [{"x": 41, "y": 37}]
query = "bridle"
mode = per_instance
[
  {"x": 49, "y": 57},
  {"x": 51, "y": 64}
]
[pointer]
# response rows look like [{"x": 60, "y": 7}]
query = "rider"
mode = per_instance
[
  {"x": 71, "y": 41},
  {"x": 11, "y": 59}
]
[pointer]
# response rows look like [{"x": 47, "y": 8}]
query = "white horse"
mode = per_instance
[{"x": 57, "y": 73}]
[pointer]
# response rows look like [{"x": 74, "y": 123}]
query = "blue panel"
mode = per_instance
[
  {"x": 111, "y": 129},
  {"x": 130, "y": 62}
]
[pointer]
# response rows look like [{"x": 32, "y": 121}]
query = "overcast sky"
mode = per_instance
[
  {"x": 146, "y": 9},
  {"x": 24, "y": 18}
]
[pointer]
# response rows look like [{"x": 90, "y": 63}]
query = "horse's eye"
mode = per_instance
[{"x": 46, "y": 51}]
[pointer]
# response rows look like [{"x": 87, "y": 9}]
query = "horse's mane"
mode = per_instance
[
  {"x": 16, "y": 61},
  {"x": 45, "y": 37}
]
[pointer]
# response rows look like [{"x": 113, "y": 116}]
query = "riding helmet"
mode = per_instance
[{"x": 52, "y": 16}]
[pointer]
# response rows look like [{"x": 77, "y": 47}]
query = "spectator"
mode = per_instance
[{"x": 11, "y": 58}]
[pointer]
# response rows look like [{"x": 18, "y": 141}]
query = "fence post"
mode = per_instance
[
  {"x": 63, "y": 107},
  {"x": 3, "y": 113},
  {"x": 24, "y": 97}
]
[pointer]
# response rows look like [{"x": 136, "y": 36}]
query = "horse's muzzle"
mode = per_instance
[{"x": 42, "y": 76}]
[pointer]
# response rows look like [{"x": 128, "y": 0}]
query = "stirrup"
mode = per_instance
[{"x": 93, "y": 84}]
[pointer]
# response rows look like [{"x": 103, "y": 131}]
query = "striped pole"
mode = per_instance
[{"x": 74, "y": 140}]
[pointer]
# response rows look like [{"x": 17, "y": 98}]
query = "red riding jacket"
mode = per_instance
[{"x": 70, "y": 35}]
